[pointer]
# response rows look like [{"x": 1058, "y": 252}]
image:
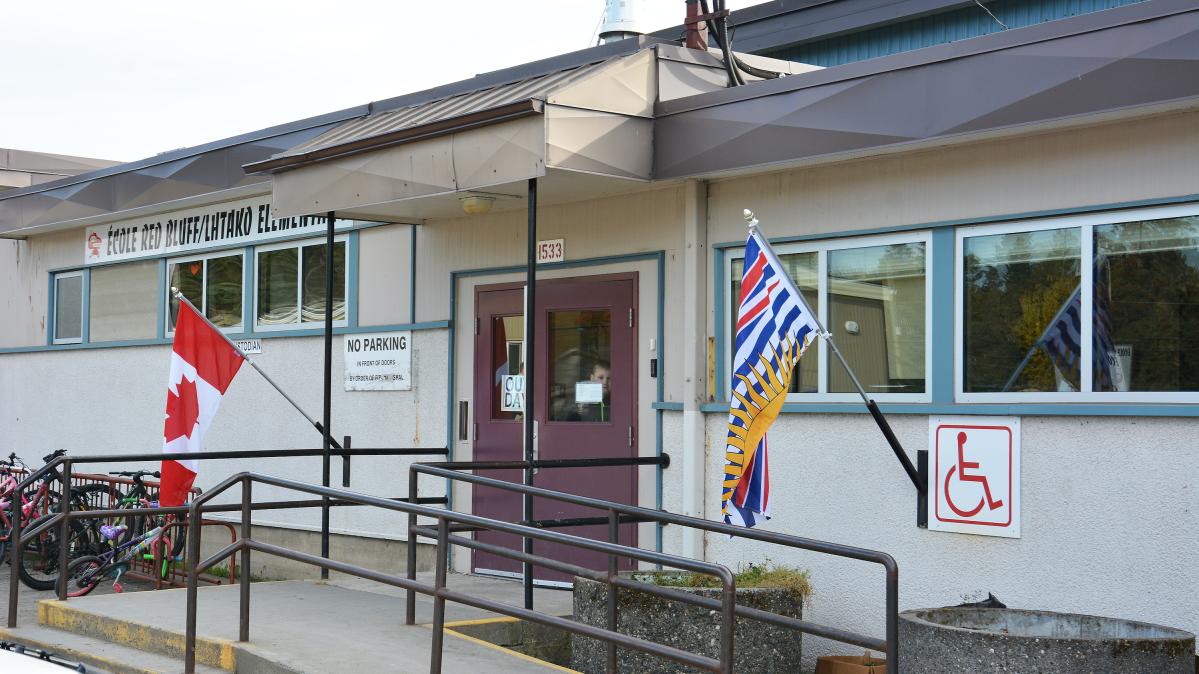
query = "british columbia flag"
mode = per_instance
[
  {"x": 774, "y": 327},
  {"x": 1063, "y": 336}
]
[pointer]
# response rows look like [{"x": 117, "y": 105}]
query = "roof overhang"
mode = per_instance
[{"x": 1131, "y": 61}]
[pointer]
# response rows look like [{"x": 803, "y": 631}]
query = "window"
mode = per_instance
[
  {"x": 124, "y": 301},
  {"x": 213, "y": 283},
  {"x": 68, "y": 308},
  {"x": 872, "y": 294},
  {"x": 1081, "y": 308},
  {"x": 291, "y": 285}
]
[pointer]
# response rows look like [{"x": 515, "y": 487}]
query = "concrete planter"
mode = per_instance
[
  {"x": 987, "y": 640},
  {"x": 758, "y": 647}
]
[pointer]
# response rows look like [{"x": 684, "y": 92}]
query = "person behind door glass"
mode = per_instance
[{"x": 601, "y": 373}]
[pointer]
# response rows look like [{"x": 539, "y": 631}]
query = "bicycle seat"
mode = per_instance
[{"x": 54, "y": 455}]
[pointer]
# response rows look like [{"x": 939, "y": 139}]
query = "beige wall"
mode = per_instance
[
  {"x": 1120, "y": 162},
  {"x": 385, "y": 275},
  {"x": 24, "y": 284},
  {"x": 648, "y": 221}
]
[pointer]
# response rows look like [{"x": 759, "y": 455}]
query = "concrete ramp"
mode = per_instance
[{"x": 308, "y": 627}]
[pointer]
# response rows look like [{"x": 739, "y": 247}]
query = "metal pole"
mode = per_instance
[
  {"x": 443, "y": 544},
  {"x": 243, "y": 632},
  {"x": 328, "y": 439},
  {"x": 193, "y": 577},
  {"x": 316, "y": 424},
  {"x": 892, "y": 620},
  {"x": 530, "y": 368},
  {"x": 410, "y": 609},
  {"x": 1020, "y": 368},
  {"x": 64, "y": 531},
  {"x": 14, "y": 555},
  {"x": 614, "y": 538}
]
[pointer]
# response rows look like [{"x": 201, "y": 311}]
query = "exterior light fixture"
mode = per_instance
[{"x": 475, "y": 204}]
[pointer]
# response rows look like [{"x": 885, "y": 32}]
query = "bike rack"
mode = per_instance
[{"x": 63, "y": 517}]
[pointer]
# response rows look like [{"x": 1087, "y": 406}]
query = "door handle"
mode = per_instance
[{"x": 536, "y": 447}]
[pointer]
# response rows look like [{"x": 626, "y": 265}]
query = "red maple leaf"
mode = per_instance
[{"x": 182, "y": 410}]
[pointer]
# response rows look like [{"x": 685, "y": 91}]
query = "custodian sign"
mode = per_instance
[{"x": 379, "y": 362}]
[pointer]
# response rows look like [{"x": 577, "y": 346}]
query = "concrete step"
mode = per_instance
[
  {"x": 99, "y": 656},
  {"x": 297, "y": 627}
]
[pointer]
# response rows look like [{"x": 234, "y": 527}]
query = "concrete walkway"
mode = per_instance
[{"x": 345, "y": 625}]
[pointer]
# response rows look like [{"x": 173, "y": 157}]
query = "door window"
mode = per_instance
[
  {"x": 508, "y": 362},
  {"x": 580, "y": 344}
]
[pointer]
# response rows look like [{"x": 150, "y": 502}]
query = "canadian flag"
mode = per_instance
[{"x": 203, "y": 364}]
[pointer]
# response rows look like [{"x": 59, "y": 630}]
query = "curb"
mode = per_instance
[
  {"x": 88, "y": 659},
  {"x": 59, "y": 615}
]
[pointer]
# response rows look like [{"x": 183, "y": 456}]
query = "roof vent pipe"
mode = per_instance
[
  {"x": 622, "y": 19},
  {"x": 697, "y": 28}
]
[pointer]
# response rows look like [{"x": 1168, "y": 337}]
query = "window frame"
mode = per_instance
[
  {"x": 1086, "y": 222},
  {"x": 822, "y": 247},
  {"x": 167, "y": 330},
  {"x": 83, "y": 306},
  {"x": 299, "y": 245}
]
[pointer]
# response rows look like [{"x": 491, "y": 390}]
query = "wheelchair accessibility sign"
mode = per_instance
[{"x": 975, "y": 476}]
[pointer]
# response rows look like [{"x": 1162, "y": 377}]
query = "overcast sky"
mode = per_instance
[{"x": 127, "y": 79}]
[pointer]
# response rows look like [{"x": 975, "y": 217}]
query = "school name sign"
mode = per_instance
[{"x": 230, "y": 223}]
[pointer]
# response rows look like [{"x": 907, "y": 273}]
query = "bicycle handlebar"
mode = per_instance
[
  {"x": 54, "y": 455},
  {"x": 137, "y": 473}
]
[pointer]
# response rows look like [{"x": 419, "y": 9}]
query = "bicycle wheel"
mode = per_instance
[
  {"x": 83, "y": 575},
  {"x": 38, "y": 556},
  {"x": 91, "y": 497}
]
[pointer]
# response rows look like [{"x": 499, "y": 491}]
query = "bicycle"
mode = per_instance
[
  {"x": 38, "y": 557},
  {"x": 86, "y": 572},
  {"x": 140, "y": 496}
]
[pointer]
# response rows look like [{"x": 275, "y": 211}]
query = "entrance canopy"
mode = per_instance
[{"x": 583, "y": 122}]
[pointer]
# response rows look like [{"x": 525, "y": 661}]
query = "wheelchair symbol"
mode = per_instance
[{"x": 962, "y": 466}]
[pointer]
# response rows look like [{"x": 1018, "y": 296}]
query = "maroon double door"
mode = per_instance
[{"x": 585, "y": 403}]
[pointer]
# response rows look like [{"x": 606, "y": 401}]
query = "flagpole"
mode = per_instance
[
  {"x": 1040, "y": 340},
  {"x": 828, "y": 338},
  {"x": 316, "y": 424}
]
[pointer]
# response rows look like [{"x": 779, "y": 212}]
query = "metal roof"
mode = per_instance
[{"x": 454, "y": 106}]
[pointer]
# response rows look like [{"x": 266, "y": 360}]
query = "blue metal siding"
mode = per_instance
[{"x": 938, "y": 29}]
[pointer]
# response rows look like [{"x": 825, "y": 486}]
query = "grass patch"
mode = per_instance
[{"x": 768, "y": 574}]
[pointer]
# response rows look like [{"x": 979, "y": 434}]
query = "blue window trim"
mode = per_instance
[
  {"x": 249, "y": 272},
  {"x": 942, "y": 261},
  {"x": 53, "y": 307},
  {"x": 352, "y": 280},
  {"x": 412, "y": 275},
  {"x": 346, "y": 330},
  {"x": 85, "y": 328}
]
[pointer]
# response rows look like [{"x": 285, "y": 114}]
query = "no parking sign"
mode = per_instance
[{"x": 974, "y": 476}]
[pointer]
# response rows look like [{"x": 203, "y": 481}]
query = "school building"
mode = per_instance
[{"x": 1002, "y": 226}]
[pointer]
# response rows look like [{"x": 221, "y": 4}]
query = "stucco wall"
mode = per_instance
[
  {"x": 24, "y": 283},
  {"x": 1119, "y": 162},
  {"x": 110, "y": 401},
  {"x": 1109, "y": 520}
]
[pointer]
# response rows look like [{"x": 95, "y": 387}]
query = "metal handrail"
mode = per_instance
[
  {"x": 450, "y": 471},
  {"x": 439, "y": 590},
  {"x": 62, "y": 518}
]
